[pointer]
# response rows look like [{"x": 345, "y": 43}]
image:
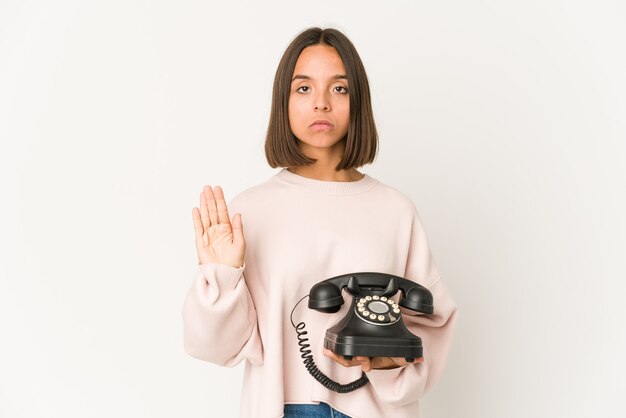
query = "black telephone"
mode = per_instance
[{"x": 372, "y": 327}]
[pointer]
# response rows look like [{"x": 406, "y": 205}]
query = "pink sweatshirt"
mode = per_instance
[{"x": 300, "y": 231}]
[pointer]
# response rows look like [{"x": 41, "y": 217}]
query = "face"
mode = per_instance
[{"x": 319, "y": 105}]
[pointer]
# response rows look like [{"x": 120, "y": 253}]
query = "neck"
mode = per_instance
[{"x": 324, "y": 166}]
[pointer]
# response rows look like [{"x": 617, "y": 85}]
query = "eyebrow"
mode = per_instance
[{"x": 306, "y": 77}]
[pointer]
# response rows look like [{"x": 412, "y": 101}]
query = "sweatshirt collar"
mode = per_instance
[{"x": 326, "y": 187}]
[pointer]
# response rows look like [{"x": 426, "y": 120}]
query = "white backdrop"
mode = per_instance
[{"x": 503, "y": 121}]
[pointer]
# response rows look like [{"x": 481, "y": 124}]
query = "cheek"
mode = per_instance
[
  {"x": 294, "y": 117},
  {"x": 291, "y": 110},
  {"x": 295, "y": 112},
  {"x": 345, "y": 114},
  {"x": 296, "y": 104}
]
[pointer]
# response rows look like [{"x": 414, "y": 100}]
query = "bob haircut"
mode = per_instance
[{"x": 281, "y": 145}]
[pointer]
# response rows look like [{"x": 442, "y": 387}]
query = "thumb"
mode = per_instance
[
  {"x": 366, "y": 364},
  {"x": 237, "y": 228}
]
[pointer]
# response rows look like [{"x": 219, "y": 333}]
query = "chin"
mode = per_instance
[{"x": 321, "y": 142}]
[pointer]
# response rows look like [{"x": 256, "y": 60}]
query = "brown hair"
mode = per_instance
[{"x": 281, "y": 145}]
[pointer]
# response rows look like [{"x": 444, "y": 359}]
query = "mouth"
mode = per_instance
[{"x": 321, "y": 125}]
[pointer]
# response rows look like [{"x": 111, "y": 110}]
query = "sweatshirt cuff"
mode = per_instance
[
  {"x": 221, "y": 275},
  {"x": 400, "y": 386},
  {"x": 385, "y": 376}
]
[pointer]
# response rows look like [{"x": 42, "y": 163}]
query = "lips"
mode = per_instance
[{"x": 321, "y": 124}]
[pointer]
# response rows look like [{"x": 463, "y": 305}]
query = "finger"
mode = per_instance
[
  {"x": 211, "y": 206},
  {"x": 401, "y": 361},
  {"x": 204, "y": 212},
  {"x": 222, "y": 209},
  {"x": 337, "y": 358},
  {"x": 366, "y": 364},
  {"x": 197, "y": 223},
  {"x": 344, "y": 362},
  {"x": 238, "y": 229}
]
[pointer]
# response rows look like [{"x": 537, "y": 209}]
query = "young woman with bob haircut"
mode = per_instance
[{"x": 315, "y": 219}]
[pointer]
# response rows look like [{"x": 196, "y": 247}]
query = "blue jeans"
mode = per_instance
[{"x": 321, "y": 410}]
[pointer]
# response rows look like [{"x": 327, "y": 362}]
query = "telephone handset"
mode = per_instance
[{"x": 373, "y": 325}]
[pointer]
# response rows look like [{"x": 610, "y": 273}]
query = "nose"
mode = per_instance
[{"x": 322, "y": 102}]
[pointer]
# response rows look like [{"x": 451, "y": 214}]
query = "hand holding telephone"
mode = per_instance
[{"x": 373, "y": 326}]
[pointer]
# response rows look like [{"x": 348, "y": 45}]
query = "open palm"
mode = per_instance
[{"x": 217, "y": 240}]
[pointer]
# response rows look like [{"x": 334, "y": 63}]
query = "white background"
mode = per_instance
[{"x": 503, "y": 121}]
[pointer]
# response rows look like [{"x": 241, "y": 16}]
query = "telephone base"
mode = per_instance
[
  {"x": 408, "y": 359},
  {"x": 409, "y": 347}
]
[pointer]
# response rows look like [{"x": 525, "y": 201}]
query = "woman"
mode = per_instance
[{"x": 317, "y": 218}]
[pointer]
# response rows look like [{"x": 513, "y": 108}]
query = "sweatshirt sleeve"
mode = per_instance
[
  {"x": 219, "y": 317},
  {"x": 404, "y": 385}
]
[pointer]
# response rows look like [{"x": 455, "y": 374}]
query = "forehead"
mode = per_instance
[{"x": 319, "y": 60}]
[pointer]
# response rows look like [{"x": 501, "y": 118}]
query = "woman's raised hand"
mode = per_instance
[{"x": 217, "y": 240}]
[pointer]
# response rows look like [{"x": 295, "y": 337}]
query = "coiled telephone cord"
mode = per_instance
[{"x": 309, "y": 363}]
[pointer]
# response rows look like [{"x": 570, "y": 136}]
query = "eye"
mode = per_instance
[
  {"x": 303, "y": 89},
  {"x": 341, "y": 89}
]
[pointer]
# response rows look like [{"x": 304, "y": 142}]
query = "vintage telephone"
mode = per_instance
[{"x": 372, "y": 327}]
